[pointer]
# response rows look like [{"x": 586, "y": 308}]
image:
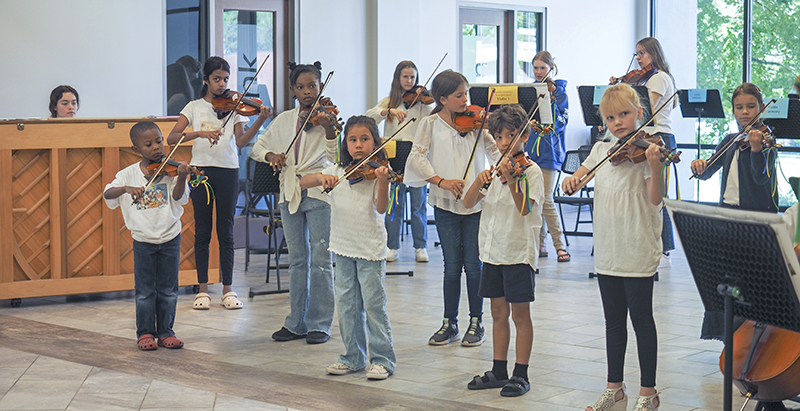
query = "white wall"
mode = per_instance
[{"x": 112, "y": 52}]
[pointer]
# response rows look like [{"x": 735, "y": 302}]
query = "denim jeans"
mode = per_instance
[
  {"x": 310, "y": 268},
  {"x": 360, "y": 294},
  {"x": 459, "y": 237},
  {"x": 419, "y": 216},
  {"x": 155, "y": 273},
  {"x": 667, "y": 237}
]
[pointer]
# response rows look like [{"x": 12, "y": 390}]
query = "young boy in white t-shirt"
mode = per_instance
[
  {"x": 153, "y": 215},
  {"x": 508, "y": 242}
]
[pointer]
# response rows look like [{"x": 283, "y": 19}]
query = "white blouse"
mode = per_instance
[
  {"x": 419, "y": 111},
  {"x": 315, "y": 153},
  {"x": 357, "y": 229},
  {"x": 627, "y": 226},
  {"x": 441, "y": 150},
  {"x": 505, "y": 236}
]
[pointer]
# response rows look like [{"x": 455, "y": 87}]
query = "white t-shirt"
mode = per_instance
[
  {"x": 224, "y": 154},
  {"x": 419, "y": 111},
  {"x": 357, "y": 229},
  {"x": 627, "y": 227},
  {"x": 661, "y": 83},
  {"x": 731, "y": 195},
  {"x": 441, "y": 150},
  {"x": 156, "y": 218},
  {"x": 506, "y": 237},
  {"x": 315, "y": 153}
]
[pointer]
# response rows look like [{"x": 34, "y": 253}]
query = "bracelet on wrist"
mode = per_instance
[{"x": 439, "y": 184}]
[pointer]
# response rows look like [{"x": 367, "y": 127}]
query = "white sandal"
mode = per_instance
[
  {"x": 202, "y": 301},
  {"x": 647, "y": 402},
  {"x": 231, "y": 301},
  {"x": 606, "y": 401}
]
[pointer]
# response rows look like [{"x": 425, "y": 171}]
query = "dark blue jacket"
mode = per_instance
[{"x": 551, "y": 148}]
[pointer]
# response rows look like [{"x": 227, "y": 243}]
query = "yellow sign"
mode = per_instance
[
  {"x": 504, "y": 95},
  {"x": 390, "y": 149}
]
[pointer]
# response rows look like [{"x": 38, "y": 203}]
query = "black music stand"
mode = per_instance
[
  {"x": 742, "y": 262},
  {"x": 591, "y": 111},
  {"x": 787, "y": 127},
  {"x": 398, "y": 163}
]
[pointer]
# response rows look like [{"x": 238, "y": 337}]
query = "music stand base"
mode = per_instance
[{"x": 265, "y": 289}]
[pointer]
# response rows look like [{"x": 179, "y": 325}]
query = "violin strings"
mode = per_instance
[{"x": 239, "y": 101}]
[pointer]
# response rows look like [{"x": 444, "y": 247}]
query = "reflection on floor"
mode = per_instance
[{"x": 79, "y": 353}]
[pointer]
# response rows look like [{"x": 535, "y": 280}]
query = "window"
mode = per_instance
[{"x": 187, "y": 48}]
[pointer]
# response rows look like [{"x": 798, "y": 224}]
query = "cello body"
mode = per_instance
[{"x": 774, "y": 372}]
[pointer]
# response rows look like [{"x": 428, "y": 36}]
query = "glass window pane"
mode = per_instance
[
  {"x": 527, "y": 46},
  {"x": 249, "y": 33},
  {"x": 775, "y": 64},
  {"x": 479, "y": 53},
  {"x": 183, "y": 51},
  {"x": 719, "y": 66}
]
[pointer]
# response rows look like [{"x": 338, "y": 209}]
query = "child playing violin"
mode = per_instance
[
  {"x": 748, "y": 175},
  {"x": 441, "y": 156},
  {"x": 395, "y": 110},
  {"x": 219, "y": 160},
  {"x": 154, "y": 218},
  {"x": 508, "y": 243},
  {"x": 627, "y": 250},
  {"x": 306, "y": 214},
  {"x": 547, "y": 149},
  {"x": 358, "y": 241}
]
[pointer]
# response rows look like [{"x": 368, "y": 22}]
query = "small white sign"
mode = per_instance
[
  {"x": 778, "y": 109},
  {"x": 598, "y": 94},
  {"x": 698, "y": 95}
]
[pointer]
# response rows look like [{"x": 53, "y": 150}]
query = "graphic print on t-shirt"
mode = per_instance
[{"x": 154, "y": 197}]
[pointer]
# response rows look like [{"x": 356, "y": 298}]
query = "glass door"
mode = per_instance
[{"x": 482, "y": 54}]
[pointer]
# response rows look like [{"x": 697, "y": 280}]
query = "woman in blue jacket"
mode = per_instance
[{"x": 547, "y": 150}]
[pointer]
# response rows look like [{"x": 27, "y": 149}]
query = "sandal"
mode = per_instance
[
  {"x": 487, "y": 381},
  {"x": 202, "y": 301},
  {"x": 607, "y": 401},
  {"x": 147, "y": 343},
  {"x": 543, "y": 251},
  {"x": 563, "y": 256},
  {"x": 231, "y": 301},
  {"x": 171, "y": 342},
  {"x": 515, "y": 387},
  {"x": 647, "y": 402}
]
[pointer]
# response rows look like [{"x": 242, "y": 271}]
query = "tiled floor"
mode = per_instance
[{"x": 79, "y": 353}]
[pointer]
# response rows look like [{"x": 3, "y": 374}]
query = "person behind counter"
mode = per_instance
[{"x": 64, "y": 102}]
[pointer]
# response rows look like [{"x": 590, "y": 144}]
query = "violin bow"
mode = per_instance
[
  {"x": 239, "y": 102},
  {"x": 478, "y": 139},
  {"x": 714, "y": 157},
  {"x": 426, "y": 82},
  {"x": 628, "y": 140},
  {"x": 366, "y": 159},
  {"x": 531, "y": 113},
  {"x": 311, "y": 110},
  {"x": 163, "y": 164}
]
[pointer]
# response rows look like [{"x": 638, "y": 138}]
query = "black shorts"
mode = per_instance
[{"x": 514, "y": 282}]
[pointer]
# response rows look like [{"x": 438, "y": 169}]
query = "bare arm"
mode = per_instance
[
  {"x": 382, "y": 201},
  {"x": 474, "y": 194},
  {"x": 656, "y": 180},
  {"x": 244, "y": 137}
]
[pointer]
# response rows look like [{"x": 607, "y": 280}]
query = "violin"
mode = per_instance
[
  {"x": 225, "y": 103},
  {"x": 470, "y": 120},
  {"x": 410, "y": 96},
  {"x": 635, "y": 151},
  {"x": 324, "y": 108},
  {"x": 766, "y": 360},
  {"x": 367, "y": 171},
  {"x": 743, "y": 139},
  {"x": 635, "y": 77},
  {"x": 171, "y": 168}
]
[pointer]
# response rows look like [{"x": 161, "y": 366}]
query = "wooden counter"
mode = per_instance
[{"x": 57, "y": 236}]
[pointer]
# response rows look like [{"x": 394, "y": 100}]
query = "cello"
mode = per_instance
[{"x": 767, "y": 359}]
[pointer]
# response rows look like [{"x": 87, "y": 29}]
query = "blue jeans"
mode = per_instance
[
  {"x": 155, "y": 273},
  {"x": 310, "y": 269},
  {"x": 419, "y": 216},
  {"x": 667, "y": 237},
  {"x": 359, "y": 293},
  {"x": 459, "y": 237}
]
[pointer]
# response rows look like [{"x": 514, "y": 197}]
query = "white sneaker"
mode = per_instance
[
  {"x": 338, "y": 368},
  {"x": 391, "y": 255},
  {"x": 422, "y": 255},
  {"x": 377, "y": 372}
]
